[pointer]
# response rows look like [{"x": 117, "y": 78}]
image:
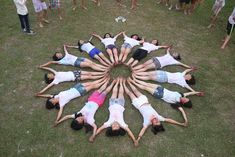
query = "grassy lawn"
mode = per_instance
[{"x": 26, "y": 127}]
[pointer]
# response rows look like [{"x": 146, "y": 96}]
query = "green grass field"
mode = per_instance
[{"x": 26, "y": 127}]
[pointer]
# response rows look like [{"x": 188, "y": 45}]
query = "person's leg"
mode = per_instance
[
  {"x": 121, "y": 90},
  {"x": 89, "y": 63},
  {"x": 115, "y": 53},
  {"x": 109, "y": 88},
  {"x": 115, "y": 90},
  {"x": 100, "y": 60},
  {"x": 83, "y": 4},
  {"x": 127, "y": 51},
  {"x": 151, "y": 75},
  {"x": 133, "y": 4},
  {"x": 134, "y": 89},
  {"x": 143, "y": 85},
  {"x": 97, "y": 2},
  {"x": 147, "y": 67},
  {"x": 59, "y": 10},
  {"x": 150, "y": 61},
  {"x": 92, "y": 73},
  {"x": 104, "y": 58},
  {"x": 230, "y": 29},
  {"x": 123, "y": 49},
  {"x": 131, "y": 60},
  {"x": 26, "y": 21},
  {"x": 128, "y": 92},
  {"x": 214, "y": 18},
  {"x": 39, "y": 19},
  {"x": 74, "y": 5},
  {"x": 95, "y": 84},
  {"x": 145, "y": 78},
  {"x": 134, "y": 63},
  {"x": 103, "y": 87},
  {"x": 22, "y": 24},
  {"x": 110, "y": 53}
]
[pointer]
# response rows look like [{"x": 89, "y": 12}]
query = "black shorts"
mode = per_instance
[
  {"x": 185, "y": 1},
  {"x": 230, "y": 28},
  {"x": 140, "y": 54}
]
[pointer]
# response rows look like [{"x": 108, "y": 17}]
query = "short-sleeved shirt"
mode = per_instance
[
  {"x": 131, "y": 41},
  {"x": 116, "y": 115},
  {"x": 108, "y": 41},
  {"x": 87, "y": 47},
  {"x": 167, "y": 60},
  {"x": 97, "y": 97},
  {"x": 149, "y": 47},
  {"x": 88, "y": 111},
  {"x": 63, "y": 77},
  {"x": 21, "y": 7},
  {"x": 171, "y": 97},
  {"x": 66, "y": 96},
  {"x": 68, "y": 59},
  {"x": 230, "y": 19},
  {"x": 177, "y": 78}
]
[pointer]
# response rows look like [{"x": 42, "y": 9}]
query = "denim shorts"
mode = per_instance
[
  {"x": 156, "y": 63},
  {"x": 161, "y": 76},
  {"x": 158, "y": 93},
  {"x": 79, "y": 61},
  {"x": 119, "y": 101},
  {"x": 94, "y": 52},
  {"x": 80, "y": 88},
  {"x": 77, "y": 75},
  {"x": 126, "y": 45},
  {"x": 111, "y": 47}
]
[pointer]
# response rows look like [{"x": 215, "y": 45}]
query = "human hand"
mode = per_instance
[{"x": 200, "y": 94}]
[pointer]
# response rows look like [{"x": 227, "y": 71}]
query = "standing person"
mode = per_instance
[
  {"x": 160, "y": 62},
  {"x": 219, "y": 4},
  {"x": 142, "y": 52},
  {"x": 68, "y": 59},
  {"x": 129, "y": 43},
  {"x": 60, "y": 100},
  {"x": 55, "y": 4},
  {"x": 55, "y": 77},
  {"x": 149, "y": 114},
  {"x": 116, "y": 125},
  {"x": 85, "y": 117},
  {"x": 109, "y": 43},
  {"x": 133, "y": 4},
  {"x": 22, "y": 12},
  {"x": 40, "y": 8},
  {"x": 82, "y": 5},
  {"x": 230, "y": 28}
]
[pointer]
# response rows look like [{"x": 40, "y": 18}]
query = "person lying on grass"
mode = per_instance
[
  {"x": 116, "y": 125},
  {"x": 85, "y": 117},
  {"x": 176, "y": 99},
  {"x": 160, "y": 62},
  {"x": 183, "y": 79},
  {"x": 129, "y": 43},
  {"x": 142, "y": 52},
  {"x": 109, "y": 43},
  {"x": 60, "y": 100},
  {"x": 68, "y": 59},
  {"x": 149, "y": 114},
  {"x": 55, "y": 77},
  {"x": 88, "y": 47}
]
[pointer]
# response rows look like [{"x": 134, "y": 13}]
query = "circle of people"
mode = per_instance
[{"x": 103, "y": 83}]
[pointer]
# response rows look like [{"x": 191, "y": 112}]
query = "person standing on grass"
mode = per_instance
[
  {"x": 55, "y": 4},
  {"x": 109, "y": 43},
  {"x": 85, "y": 117},
  {"x": 40, "y": 8},
  {"x": 60, "y": 100},
  {"x": 149, "y": 114},
  {"x": 22, "y": 12},
  {"x": 219, "y": 4},
  {"x": 56, "y": 77},
  {"x": 116, "y": 125},
  {"x": 82, "y": 5},
  {"x": 68, "y": 59},
  {"x": 230, "y": 28}
]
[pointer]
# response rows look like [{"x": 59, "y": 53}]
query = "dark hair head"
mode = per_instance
[
  {"x": 176, "y": 105},
  {"x": 138, "y": 38},
  {"x": 192, "y": 81},
  {"x": 111, "y": 133},
  {"x": 79, "y": 46},
  {"x": 176, "y": 56},
  {"x": 55, "y": 58},
  {"x": 75, "y": 125},
  {"x": 188, "y": 104},
  {"x": 157, "y": 43},
  {"x": 157, "y": 128},
  {"x": 49, "y": 104},
  {"x": 107, "y": 34},
  {"x": 88, "y": 127},
  {"x": 47, "y": 80}
]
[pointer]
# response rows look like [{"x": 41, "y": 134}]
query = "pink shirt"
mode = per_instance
[{"x": 97, "y": 97}]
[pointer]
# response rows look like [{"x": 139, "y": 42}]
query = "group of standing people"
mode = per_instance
[{"x": 103, "y": 84}]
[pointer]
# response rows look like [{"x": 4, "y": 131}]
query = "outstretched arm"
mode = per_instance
[
  {"x": 100, "y": 129},
  {"x": 171, "y": 121},
  {"x": 131, "y": 135},
  {"x": 59, "y": 113},
  {"x": 44, "y": 95},
  {"x": 97, "y": 36},
  {"x": 48, "y": 69},
  {"x": 63, "y": 119},
  {"x": 71, "y": 46},
  {"x": 65, "y": 49},
  {"x": 187, "y": 71},
  {"x": 48, "y": 63},
  {"x": 194, "y": 93},
  {"x": 184, "y": 65},
  {"x": 189, "y": 88},
  {"x": 115, "y": 37},
  {"x": 92, "y": 138},
  {"x": 142, "y": 131},
  {"x": 184, "y": 115},
  {"x": 46, "y": 88}
]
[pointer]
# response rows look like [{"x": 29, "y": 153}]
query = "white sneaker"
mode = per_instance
[{"x": 31, "y": 32}]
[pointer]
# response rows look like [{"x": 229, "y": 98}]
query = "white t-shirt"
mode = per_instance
[
  {"x": 88, "y": 111},
  {"x": 66, "y": 96},
  {"x": 177, "y": 78},
  {"x": 21, "y": 7},
  {"x": 131, "y": 41},
  {"x": 171, "y": 97},
  {"x": 116, "y": 115},
  {"x": 230, "y": 19},
  {"x": 68, "y": 59},
  {"x": 167, "y": 60},
  {"x": 63, "y": 77},
  {"x": 149, "y": 47},
  {"x": 87, "y": 47},
  {"x": 148, "y": 113},
  {"x": 108, "y": 41}
]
